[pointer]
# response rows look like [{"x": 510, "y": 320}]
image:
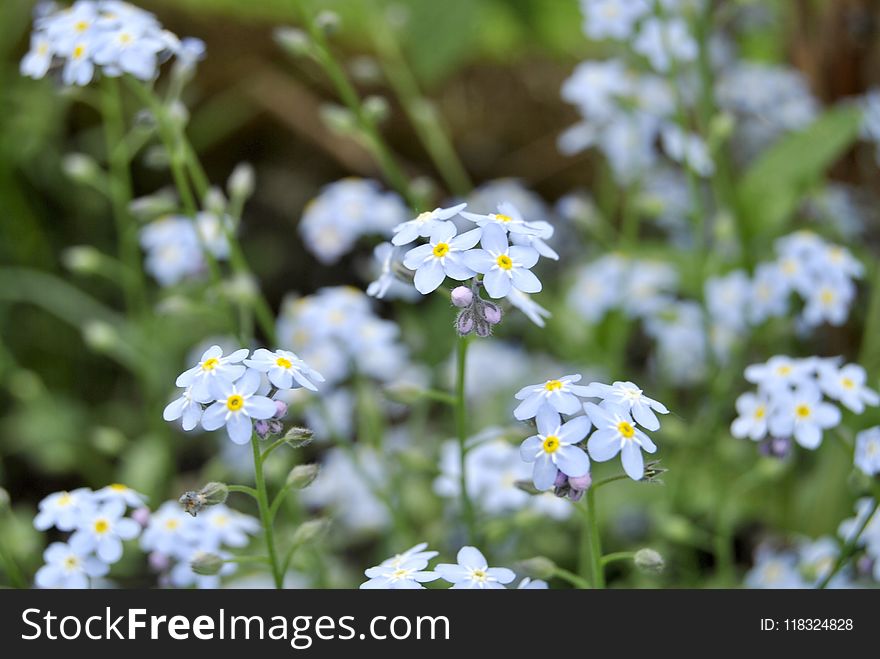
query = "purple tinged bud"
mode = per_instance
[
  {"x": 158, "y": 561},
  {"x": 462, "y": 297},
  {"x": 561, "y": 480},
  {"x": 141, "y": 516},
  {"x": 261, "y": 427},
  {"x": 483, "y": 329},
  {"x": 580, "y": 483},
  {"x": 464, "y": 324},
  {"x": 492, "y": 313},
  {"x": 280, "y": 409}
]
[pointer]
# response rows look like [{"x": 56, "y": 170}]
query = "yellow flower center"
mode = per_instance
[
  {"x": 234, "y": 403},
  {"x": 172, "y": 524},
  {"x": 424, "y": 217},
  {"x": 760, "y": 412},
  {"x": 783, "y": 370},
  {"x": 71, "y": 562},
  {"x": 626, "y": 430},
  {"x": 78, "y": 52},
  {"x": 43, "y": 48},
  {"x": 400, "y": 573},
  {"x": 553, "y": 385},
  {"x": 65, "y": 499},
  {"x": 210, "y": 364},
  {"x": 848, "y": 383},
  {"x": 504, "y": 262},
  {"x": 283, "y": 362},
  {"x": 125, "y": 38},
  {"x": 802, "y": 411},
  {"x": 118, "y": 487},
  {"x": 551, "y": 444},
  {"x": 220, "y": 520},
  {"x": 827, "y": 296},
  {"x": 102, "y": 526},
  {"x": 441, "y": 250},
  {"x": 479, "y": 575},
  {"x": 81, "y": 26},
  {"x": 503, "y": 218}
]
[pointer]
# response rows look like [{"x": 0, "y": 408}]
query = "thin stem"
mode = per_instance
[
  {"x": 595, "y": 541},
  {"x": 606, "y": 481},
  {"x": 120, "y": 190},
  {"x": 571, "y": 578},
  {"x": 278, "y": 500},
  {"x": 16, "y": 578},
  {"x": 244, "y": 489},
  {"x": 618, "y": 556},
  {"x": 265, "y": 519},
  {"x": 849, "y": 548},
  {"x": 462, "y": 433}
]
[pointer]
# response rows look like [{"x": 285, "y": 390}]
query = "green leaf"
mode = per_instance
[{"x": 772, "y": 189}]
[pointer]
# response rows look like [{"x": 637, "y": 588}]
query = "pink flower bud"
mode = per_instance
[
  {"x": 462, "y": 296},
  {"x": 492, "y": 313},
  {"x": 141, "y": 516},
  {"x": 464, "y": 324},
  {"x": 280, "y": 409},
  {"x": 580, "y": 483}
]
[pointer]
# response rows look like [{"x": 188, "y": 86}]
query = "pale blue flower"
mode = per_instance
[
  {"x": 612, "y": 19},
  {"x": 38, "y": 59},
  {"x": 473, "y": 572},
  {"x": 237, "y": 405},
  {"x": 615, "y": 433},
  {"x": 559, "y": 394},
  {"x": 413, "y": 553},
  {"x": 533, "y": 311},
  {"x": 186, "y": 408},
  {"x": 441, "y": 257},
  {"x": 284, "y": 368},
  {"x": 409, "y": 574},
  {"x": 804, "y": 415},
  {"x": 103, "y": 531},
  {"x": 64, "y": 510},
  {"x": 664, "y": 42},
  {"x": 630, "y": 397},
  {"x": 867, "y": 456},
  {"x": 532, "y": 584},
  {"x": 67, "y": 568},
  {"x": 120, "y": 492},
  {"x": 503, "y": 266},
  {"x": 213, "y": 370},
  {"x": 423, "y": 225},
  {"x": 847, "y": 384},
  {"x": 555, "y": 448},
  {"x": 754, "y": 415}
]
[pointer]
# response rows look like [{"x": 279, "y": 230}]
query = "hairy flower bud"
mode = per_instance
[
  {"x": 301, "y": 476},
  {"x": 297, "y": 437},
  {"x": 538, "y": 567},
  {"x": 491, "y": 312},
  {"x": 206, "y": 563},
  {"x": 242, "y": 181},
  {"x": 648, "y": 560},
  {"x": 211, "y": 494},
  {"x": 308, "y": 531},
  {"x": 464, "y": 324},
  {"x": 294, "y": 41},
  {"x": 462, "y": 296}
]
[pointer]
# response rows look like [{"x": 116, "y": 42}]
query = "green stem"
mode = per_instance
[
  {"x": 462, "y": 434},
  {"x": 120, "y": 189},
  {"x": 265, "y": 519},
  {"x": 850, "y": 547},
  {"x": 16, "y": 578},
  {"x": 244, "y": 489},
  {"x": 606, "y": 481},
  {"x": 595, "y": 541},
  {"x": 571, "y": 578},
  {"x": 618, "y": 556}
]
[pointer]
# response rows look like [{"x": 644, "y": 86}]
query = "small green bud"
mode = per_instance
[
  {"x": 648, "y": 560},
  {"x": 80, "y": 167},
  {"x": 4, "y": 500},
  {"x": 539, "y": 567},
  {"x": 81, "y": 259},
  {"x": 328, "y": 22},
  {"x": 294, "y": 41},
  {"x": 206, "y": 564},
  {"x": 149, "y": 207},
  {"x": 241, "y": 182},
  {"x": 308, "y": 531},
  {"x": 301, "y": 476},
  {"x": 376, "y": 108},
  {"x": 100, "y": 336},
  {"x": 338, "y": 119},
  {"x": 297, "y": 437},
  {"x": 215, "y": 202}
]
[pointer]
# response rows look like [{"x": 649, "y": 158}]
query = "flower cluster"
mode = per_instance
[
  {"x": 618, "y": 421},
  {"x": 344, "y": 211},
  {"x": 180, "y": 546},
  {"x": 176, "y": 245},
  {"x": 235, "y": 390},
  {"x": 110, "y": 36},
  {"x": 803, "y": 565},
  {"x": 336, "y": 330},
  {"x": 98, "y": 526},
  {"x": 790, "y": 399},
  {"x": 408, "y": 571}
]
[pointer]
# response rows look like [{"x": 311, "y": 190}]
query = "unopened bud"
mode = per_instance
[
  {"x": 482, "y": 329},
  {"x": 539, "y": 567},
  {"x": 491, "y": 312},
  {"x": 301, "y": 476},
  {"x": 80, "y": 167},
  {"x": 580, "y": 482},
  {"x": 4, "y": 500},
  {"x": 163, "y": 202},
  {"x": 178, "y": 114},
  {"x": 211, "y": 494},
  {"x": 100, "y": 336},
  {"x": 294, "y": 41},
  {"x": 265, "y": 428},
  {"x": 462, "y": 296},
  {"x": 297, "y": 437},
  {"x": 310, "y": 530},
  {"x": 141, "y": 516},
  {"x": 464, "y": 324},
  {"x": 158, "y": 561},
  {"x": 242, "y": 181},
  {"x": 648, "y": 560},
  {"x": 327, "y": 21},
  {"x": 280, "y": 409},
  {"x": 215, "y": 203},
  {"x": 376, "y": 108},
  {"x": 338, "y": 119},
  {"x": 206, "y": 563},
  {"x": 82, "y": 259}
]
